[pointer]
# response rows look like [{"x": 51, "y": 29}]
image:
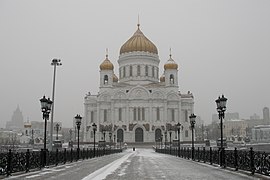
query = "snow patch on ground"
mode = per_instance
[{"x": 108, "y": 169}]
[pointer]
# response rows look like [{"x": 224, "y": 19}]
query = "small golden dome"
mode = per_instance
[
  {"x": 138, "y": 42},
  {"x": 170, "y": 64},
  {"x": 162, "y": 78},
  {"x": 27, "y": 125},
  {"x": 115, "y": 78},
  {"x": 106, "y": 64}
]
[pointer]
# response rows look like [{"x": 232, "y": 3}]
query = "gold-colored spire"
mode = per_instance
[
  {"x": 106, "y": 53},
  {"x": 170, "y": 53}
]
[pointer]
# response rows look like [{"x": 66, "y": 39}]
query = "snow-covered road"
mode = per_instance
[{"x": 133, "y": 165}]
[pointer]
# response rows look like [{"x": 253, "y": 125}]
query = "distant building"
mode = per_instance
[
  {"x": 235, "y": 130},
  {"x": 261, "y": 133},
  {"x": 254, "y": 116},
  {"x": 266, "y": 117},
  {"x": 228, "y": 116},
  {"x": 16, "y": 120}
]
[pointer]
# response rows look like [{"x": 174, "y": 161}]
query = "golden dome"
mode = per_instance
[
  {"x": 162, "y": 78},
  {"x": 106, "y": 64},
  {"x": 170, "y": 64},
  {"x": 138, "y": 42},
  {"x": 115, "y": 78}
]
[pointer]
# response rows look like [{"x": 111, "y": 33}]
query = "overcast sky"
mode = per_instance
[{"x": 220, "y": 46}]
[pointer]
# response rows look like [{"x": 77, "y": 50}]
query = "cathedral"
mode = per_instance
[{"x": 138, "y": 105}]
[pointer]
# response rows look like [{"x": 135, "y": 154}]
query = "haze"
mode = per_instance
[{"x": 220, "y": 46}]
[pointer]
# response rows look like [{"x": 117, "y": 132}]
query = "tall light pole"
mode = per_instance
[
  {"x": 94, "y": 129},
  {"x": 165, "y": 133},
  {"x": 192, "y": 118},
  {"x": 110, "y": 135},
  {"x": 54, "y": 63},
  {"x": 221, "y": 108},
  {"x": 46, "y": 105},
  {"x": 178, "y": 127},
  {"x": 78, "y": 123}
]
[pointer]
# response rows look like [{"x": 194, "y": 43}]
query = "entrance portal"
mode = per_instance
[
  {"x": 139, "y": 135},
  {"x": 120, "y": 135}
]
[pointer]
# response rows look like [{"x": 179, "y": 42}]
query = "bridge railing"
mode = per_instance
[
  {"x": 14, "y": 162},
  {"x": 247, "y": 160}
]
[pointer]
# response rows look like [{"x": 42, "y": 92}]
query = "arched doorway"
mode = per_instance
[
  {"x": 139, "y": 135},
  {"x": 120, "y": 135},
  {"x": 158, "y": 135}
]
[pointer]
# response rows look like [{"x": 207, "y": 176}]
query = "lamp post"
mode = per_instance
[
  {"x": 46, "y": 105},
  {"x": 54, "y": 63},
  {"x": 78, "y": 123},
  {"x": 221, "y": 108},
  {"x": 161, "y": 138},
  {"x": 57, "y": 128},
  {"x": 114, "y": 136},
  {"x": 178, "y": 127},
  {"x": 32, "y": 131},
  {"x": 192, "y": 118},
  {"x": 94, "y": 129},
  {"x": 70, "y": 141},
  {"x": 170, "y": 132},
  {"x": 165, "y": 133},
  {"x": 110, "y": 135}
]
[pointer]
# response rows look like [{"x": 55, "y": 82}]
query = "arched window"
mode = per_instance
[
  {"x": 186, "y": 133},
  {"x": 138, "y": 70},
  {"x": 171, "y": 79},
  {"x": 124, "y": 71},
  {"x": 120, "y": 114},
  {"x": 143, "y": 114},
  {"x": 130, "y": 70},
  {"x": 120, "y": 135},
  {"x": 105, "y": 115},
  {"x": 106, "y": 79},
  {"x": 146, "y": 70},
  {"x": 158, "y": 114}
]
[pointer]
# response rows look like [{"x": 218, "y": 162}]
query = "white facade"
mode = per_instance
[{"x": 139, "y": 106}]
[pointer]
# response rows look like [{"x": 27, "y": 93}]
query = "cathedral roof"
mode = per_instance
[
  {"x": 106, "y": 64},
  {"x": 138, "y": 42},
  {"x": 170, "y": 64}
]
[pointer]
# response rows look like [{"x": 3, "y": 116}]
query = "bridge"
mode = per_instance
[{"x": 143, "y": 163}]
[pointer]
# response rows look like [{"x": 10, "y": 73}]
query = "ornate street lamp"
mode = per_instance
[
  {"x": 70, "y": 141},
  {"x": 165, "y": 133},
  {"x": 114, "y": 136},
  {"x": 161, "y": 137},
  {"x": 178, "y": 127},
  {"x": 170, "y": 132},
  {"x": 110, "y": 135},
  {"x": 94, "y": 129},
  {"x": 221, "y": 108},
  {"x": 78, "y": 123},
  {"x": 192, "y": 118},
  {"x": 46, "y": 105},
  {"x": 57, "y": 128}
]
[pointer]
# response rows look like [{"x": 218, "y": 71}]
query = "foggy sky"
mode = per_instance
[{"x": 220, "y": 46}]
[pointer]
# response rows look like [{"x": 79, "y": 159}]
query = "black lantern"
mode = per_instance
[
  {"x": 221, "y": 108},
  {"x": 78, "y": 123},
  {"x": 192, "y": 118}
]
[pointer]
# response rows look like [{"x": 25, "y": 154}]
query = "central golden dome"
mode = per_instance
[{"x": 138, "y": 42}]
